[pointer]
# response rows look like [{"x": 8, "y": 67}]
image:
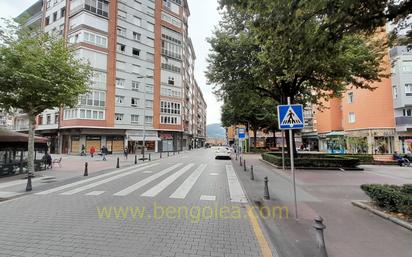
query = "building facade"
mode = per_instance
[{"x": 143, "y": 87}]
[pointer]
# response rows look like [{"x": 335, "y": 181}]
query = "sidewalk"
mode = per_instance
[
  {"x": 72, "y": 168},
  {"x": 350, "y": 231}
]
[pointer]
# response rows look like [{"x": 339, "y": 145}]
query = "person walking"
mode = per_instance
[
  {"x": 104, "y": 152},
  {"x": 83, "y": 152},
  {"x": 92, "y": 151},
  {"x": 125, "y": 152}
]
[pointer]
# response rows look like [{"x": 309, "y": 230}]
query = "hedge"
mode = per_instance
[
  {"x": 363, "y": 158},
  {"x": 313, "y": 160},
  {"x": 390, "y": 197}
]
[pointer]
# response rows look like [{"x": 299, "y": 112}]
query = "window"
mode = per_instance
[
  {"x": 150, "y": 27},
  {"x": 137, "y": 21},
  {"x": 148, "y": 119},
  {"x": 406, "y": 67},
  {"x": 100, "y": 7},
  {"x": 408, "y": 89},
  {"x": 121, "y": 48},
  {"x": 171, "y": 81},
  {"x": 350, "y": 97},
  {"x": 351, "y": 117},
  {"x": 135, "y": 86},
  {"x": 122, "y": 14},
  {"x": 172, "y": 20},
  {"x": 95, "y": 39},
  {"x": 137, "y": 36},
  {"x": 136, "y": 52},
  {"x": 136, "y": 69},
  {"x": 171, "y": 67},
  {"x": 118, "y": 116},
  {"x": 120, "y": 83},
  {"x": 169, "y": 107},
  {"x": 54, "y": 16},
  {"x": 135, "y": 102},
  {"x": 407, "y": 112},
  {"x": 121, "y": 31},
  {"x": 171, "y": 50},
  {"x": 56, "y": 118},
  {"x": 134, "y": 118},
  {"x": 149, "y": 89},
  {"x": 169, "y": 120},
  {"x": 47, "y": 20},
  {"x": 98, "y": 79},
  {"x": 62, "y": 12},
  {"x": 93, "y": 98},
  {"x": 48, "y": 119},
  {"x": 395, "y": 91},
  {"x": 119, "y": 99},
  {"x": 121, "y": 65},
  {"x": 149, "y": 104}
]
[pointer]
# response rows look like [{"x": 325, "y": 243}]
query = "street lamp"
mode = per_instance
[{"x": 144, "y": 117}]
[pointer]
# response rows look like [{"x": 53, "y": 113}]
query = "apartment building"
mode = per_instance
[{"x": 143, "y": 87}]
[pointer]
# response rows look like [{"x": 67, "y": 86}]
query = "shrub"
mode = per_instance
[
  {"x": 407, "y": 189},
  {"x": 390, "y": 197}
]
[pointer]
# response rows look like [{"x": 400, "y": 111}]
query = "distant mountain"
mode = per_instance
[{"x": 215, "y": 131}]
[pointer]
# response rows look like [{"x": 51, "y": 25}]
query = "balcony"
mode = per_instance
[{"x": 403, "y": 123}]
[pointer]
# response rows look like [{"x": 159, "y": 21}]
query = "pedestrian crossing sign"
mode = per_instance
[{"x": 291, "y": 116}]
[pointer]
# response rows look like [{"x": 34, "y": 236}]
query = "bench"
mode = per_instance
[
  {"x": 57, "y": 161},
  {"x": 384, "y": 160}
]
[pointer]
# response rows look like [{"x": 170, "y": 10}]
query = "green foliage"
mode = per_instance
[
  {"x": 313, "y": 161},
  {"x": 357, "y": 144},
  {"x": 390, "y": 197},
  {"x": 38, "y": 72},
  {"x": 363, "y": 158}
]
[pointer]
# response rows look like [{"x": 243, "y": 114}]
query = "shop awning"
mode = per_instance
[
  {"x": 12, "y": 136},
  {"x": 336, "y": 134}
]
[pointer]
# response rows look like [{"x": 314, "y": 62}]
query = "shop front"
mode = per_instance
[
  {"x": 170, "y": 141},
  {"x": 135, "y": 141}
]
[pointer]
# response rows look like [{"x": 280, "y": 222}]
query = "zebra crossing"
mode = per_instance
[{"x": 154, "y": 182}]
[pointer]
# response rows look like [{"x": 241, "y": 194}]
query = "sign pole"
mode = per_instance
[
  {"x": 283, "y": 150},
  {"x": 292, "y": 167}
]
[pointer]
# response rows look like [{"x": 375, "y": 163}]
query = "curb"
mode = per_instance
[
  {"x": 361, "y": 204},
  {"x": 320, "y": 168}
]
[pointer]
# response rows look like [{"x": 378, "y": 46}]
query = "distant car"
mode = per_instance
[{"x": 222, "y": 152}]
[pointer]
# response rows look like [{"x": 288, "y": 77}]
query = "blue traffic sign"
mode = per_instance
[
  {"x": 291, "y": 116},
  {"x": 241, "y": 133}
]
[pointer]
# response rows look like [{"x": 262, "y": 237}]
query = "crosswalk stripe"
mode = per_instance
[
  {"x": 235, "y": 189},
  {"x": 166, "y": 182},
  {"x": 145, "y": 181},
  {"x": 56, "y": 189},
  {"x": 184, "y": 189},
  {"x": 98, "y": 183},
  {"x": 95, "y": 193}
]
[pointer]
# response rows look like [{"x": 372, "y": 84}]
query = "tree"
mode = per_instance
[
  {"x": 38, "y": 72},
  {"x": 303, "y": 49}
]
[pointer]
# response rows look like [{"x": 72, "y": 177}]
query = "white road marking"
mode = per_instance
[
  {"x": 145, "y": 181},
  {"x": 147, "y": 172},
  {"x": 87, "y": 180},
  {"x": 214, "y": 174},
  {"x": 208, "y": 197},
  {"x": 95, "y": 193},
  {"x": 21, "y": 182},
  {"x": 237, "y": 195},
  {"x": 166, "y": 182},
  {"x": 184, "y": 189},
  {"x": 98, "y": 183}
]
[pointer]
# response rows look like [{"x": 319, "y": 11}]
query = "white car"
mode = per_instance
[{"x": 222, "y": 152}]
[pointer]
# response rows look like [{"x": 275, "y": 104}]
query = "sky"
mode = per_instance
[{"x": 203, "y": 17}]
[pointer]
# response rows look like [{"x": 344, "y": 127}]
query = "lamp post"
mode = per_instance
[{"x": 144, "y": 117}]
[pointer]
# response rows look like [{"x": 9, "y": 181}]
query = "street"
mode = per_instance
[{"x": 184, "y": 205}]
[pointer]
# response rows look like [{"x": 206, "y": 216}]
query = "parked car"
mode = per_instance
[{"x": 222, "y": 152}]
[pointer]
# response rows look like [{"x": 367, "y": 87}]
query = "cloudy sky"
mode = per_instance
[{"x": 204, "y": 16}]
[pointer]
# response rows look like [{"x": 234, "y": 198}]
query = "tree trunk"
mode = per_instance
[
  {"x": 30, "y": 146},
  {"x": 288, "y": 146},
  {"x": 254, "y": 138}
]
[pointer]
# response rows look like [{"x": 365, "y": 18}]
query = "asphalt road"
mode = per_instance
[{"x": 185, "y": 205}]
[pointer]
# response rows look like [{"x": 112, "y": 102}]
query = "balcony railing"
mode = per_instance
[{"x": 403, "y": 121}]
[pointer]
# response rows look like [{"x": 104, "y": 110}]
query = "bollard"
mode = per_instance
[
  {"x": 240, "y": 161},
  {"x": 118, "y": 163},
  {"x": 86, "y": 169},
  {"x": 266, "y": 193},
  {"x": 150, "y": 158},
  {"x": 160, "y": 155},
  {"x": 320, "y": 239},
  {"x": 28, "y": 186},
  {"x": 236, "y": 157},
  {"x": 174, "y": 152},
  {"x": 178, "y": 152},
  {"x": 167, "y": 154},
  {"x": 252, "y": 176},
  {"x": 135, "y": 159},
  {"x": 244, "y": 165}
]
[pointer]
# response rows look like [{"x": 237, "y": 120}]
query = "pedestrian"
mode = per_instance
[
  {"x": 104, "y": 152},
  {"x": 125, "y": 152},
  {"x": 83, "y": 152},
  {"x": 92, "y": 151},
  {"x": 47, "y": 160}
]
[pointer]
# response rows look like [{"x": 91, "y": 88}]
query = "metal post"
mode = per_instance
[
  {"x": 150, "y": 157},
  {"x": 266, "y": 192},
  {"x": 167, "y": 154},
  {"x": 86, "y": 169},
  {"x": 244, "y": 165},
  {"x": 240, "y": 161},
  {"x": 236, "y": 156},
  {"x": 135, "y": 159},
  {"x": 160, "y": 155},
  {"x": 28, "y": 186},
  {"x": 118, "y": 163},
  {"x": 320, "y": 239},
  {"x": 292, "y": 167},
  {"x": 252, "y": 176},
  {"x": 283, "y": 150}
]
